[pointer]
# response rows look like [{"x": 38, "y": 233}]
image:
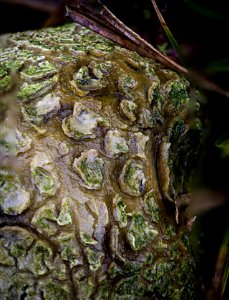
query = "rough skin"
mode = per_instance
[{"x": 97, "y": 143}]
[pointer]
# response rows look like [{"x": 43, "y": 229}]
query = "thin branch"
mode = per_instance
[
  {"x": 103, "y": 22},
  {"x": 103, "y": 30},
  {"x": 114, "y": 21},
  {"x": 112, "y": 28}
]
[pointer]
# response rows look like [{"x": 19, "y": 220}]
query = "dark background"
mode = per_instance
[{"x": 201, "y": 28}]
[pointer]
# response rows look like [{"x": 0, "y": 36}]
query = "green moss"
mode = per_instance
[
  {"x": 18, "y": 249},
  {"x": 140, "y": 233},
  {"x": 30, "y": 91},
  {"x": 129, "y": 288},
  {"x": 178, "y": 94},
  {"x": 42, "y": 69},
  {"x": 54, "y": 291},
  {"x": 159, "y": 274},
  {"x": 88, "y": 42},
  {"x": 151, "y": 207}
]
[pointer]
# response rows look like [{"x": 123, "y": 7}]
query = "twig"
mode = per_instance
[
  {"x": 113, "y": 20},
  {"x": 112, "y": 28},
  {"x": 102, "y": 30},
  {"x": 105, "y": 23}
]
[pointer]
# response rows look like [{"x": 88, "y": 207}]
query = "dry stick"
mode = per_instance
[
  {"x": 113, "y": 20},
  {"x": 125, "y": 37},
  {"x": 105, "y": 32},
  {"x": 131, "y": 40},
  {"x": 93, "y": 15}
]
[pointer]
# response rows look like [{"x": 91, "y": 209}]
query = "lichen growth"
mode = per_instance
[
  {"x": 43, "y": 178},
  {"x": 119, "y": 212},
  {"x": 94, "y": 259},
  {"x": 140, "y": 232},
  {"x": 98, "y": 138},
  {"x": 87, "y": 239},
  {"x": 132, "y": 178},
  {"x": 44, "y": 219},
  {"x": 55, "y": 291},
  {"x": 14, "y": 199},
  {"x": 69, "y": 249},
  {"x": 91, "y": 169},
  {"x": 115, "y": 143},
  {"x": 43, "y": 70},
  {"x": 151, "y": 207},
  {"x": 65, "y": 216},
  {"x": 82, "y": 124},
  {"x": 128, "y": 109},
  {"x": 33, "y": 90}
]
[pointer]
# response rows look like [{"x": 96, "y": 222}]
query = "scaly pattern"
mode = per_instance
[{"x": 104, "y": 139}]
